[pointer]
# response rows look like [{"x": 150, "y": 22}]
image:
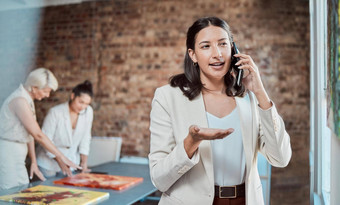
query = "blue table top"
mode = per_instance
[{"x": 127, "y": 196}]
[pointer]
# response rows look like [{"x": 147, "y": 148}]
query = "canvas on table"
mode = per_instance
[
  {"x": 42, "y": 194},
  {"x": 102, "y": 181}
]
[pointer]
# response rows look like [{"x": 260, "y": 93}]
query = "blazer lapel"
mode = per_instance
[
  {"x": 199, "y": 116},
  {"x": 245, "y": 112}
]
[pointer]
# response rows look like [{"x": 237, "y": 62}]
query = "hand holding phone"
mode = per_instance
[{"x": 239, "y": 72}]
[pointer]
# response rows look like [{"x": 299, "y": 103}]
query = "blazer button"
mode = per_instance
[{"x": 186, "y": 168}]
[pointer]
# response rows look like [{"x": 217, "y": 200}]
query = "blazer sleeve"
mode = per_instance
[
  {"x": 49, "y": 127},
  {"x": 274, "y": 141},
  {"x": 168, "y": 160},
  {"x": 84, "y": 146}
]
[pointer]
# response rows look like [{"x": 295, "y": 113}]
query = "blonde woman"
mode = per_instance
[{"x": 19, "y": 129}]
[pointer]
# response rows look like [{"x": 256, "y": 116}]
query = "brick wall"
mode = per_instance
[{"x": 128, "y": 48}]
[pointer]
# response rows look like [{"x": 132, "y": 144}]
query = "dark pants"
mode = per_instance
[{"x": 241, "y": 200}]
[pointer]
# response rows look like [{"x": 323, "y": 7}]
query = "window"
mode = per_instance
[{"x": 320, "y": 146}]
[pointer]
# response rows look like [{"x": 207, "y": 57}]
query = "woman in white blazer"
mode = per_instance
[
  {"x": 206, "y": 130},
  {"x": 68, "y": 125}
]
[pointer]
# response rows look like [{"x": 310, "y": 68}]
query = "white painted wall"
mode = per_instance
[{"x": 24, "y": 4}]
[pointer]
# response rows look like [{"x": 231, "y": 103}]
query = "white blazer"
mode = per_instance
[
  {"x": 57, "y": 126},
  {"x": 191, "y": 181}
]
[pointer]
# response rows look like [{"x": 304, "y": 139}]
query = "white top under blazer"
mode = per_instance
[
  {"x": 228, "y": 156},
  {"x": 57, "y": 126}
]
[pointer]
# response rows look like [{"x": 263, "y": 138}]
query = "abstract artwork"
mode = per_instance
[
  {"x": 55, "y": 195},
  {"x": 101, "y": 181}
]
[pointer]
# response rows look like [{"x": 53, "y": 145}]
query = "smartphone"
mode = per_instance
[{"x": 239, "y": 72}]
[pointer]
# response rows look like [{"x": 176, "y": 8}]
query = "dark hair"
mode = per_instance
[
  {"x": 83, "y": 88},
  {"x": 189, "y": 81}
]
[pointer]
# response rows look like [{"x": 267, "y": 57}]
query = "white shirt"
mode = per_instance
[
  {"x": 57, "y": 126},
  {"x": 228, "y": 155},
  {"x": 11, "y": 128}
]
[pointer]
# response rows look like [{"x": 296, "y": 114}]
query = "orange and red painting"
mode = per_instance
[{"x": 101, "y": 181}]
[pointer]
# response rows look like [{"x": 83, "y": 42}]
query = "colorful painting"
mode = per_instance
[
  {"x": 101, "y": 181},
  {"x": 55, "y": 195}
]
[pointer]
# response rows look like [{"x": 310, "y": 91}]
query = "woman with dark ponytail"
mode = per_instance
[{"x": 68, "y": 125}]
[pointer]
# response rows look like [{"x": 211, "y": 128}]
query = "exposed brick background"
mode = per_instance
[{"x": 128, "y": 48}]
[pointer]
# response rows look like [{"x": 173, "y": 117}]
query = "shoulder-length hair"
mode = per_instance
[{"x": 189, "y": 81}]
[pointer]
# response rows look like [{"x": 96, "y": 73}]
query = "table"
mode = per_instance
[{"x": 127, "y": 196}]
